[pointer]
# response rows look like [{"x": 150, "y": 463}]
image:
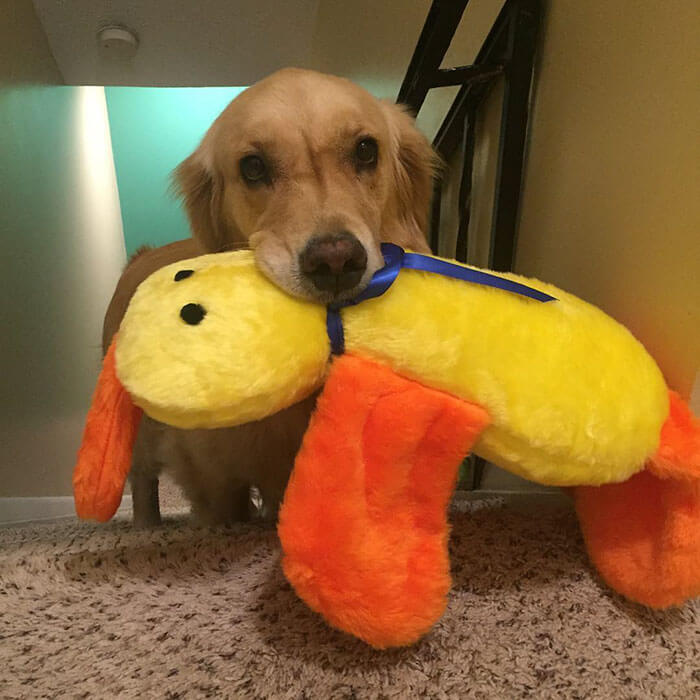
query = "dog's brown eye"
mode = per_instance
[
  {"x": 366, "y": 153},
  {"x": 253, "y": 169}
]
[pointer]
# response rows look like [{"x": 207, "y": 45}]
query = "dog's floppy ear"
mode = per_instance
[
  {"x": 201, "y": 190},
  {"x": 415, "y": 164}
]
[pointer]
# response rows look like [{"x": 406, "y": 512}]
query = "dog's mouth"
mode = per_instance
[
  {"x": 298, "y": 285},
  {"x": 332, "y": 266},
  {"x": 332, "y": 295},
  {"x": 327, "y": 269},
  {"x": 335, "y": 267}
]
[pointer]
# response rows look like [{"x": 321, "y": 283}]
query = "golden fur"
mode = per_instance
[{"x": 307, "y": 124}]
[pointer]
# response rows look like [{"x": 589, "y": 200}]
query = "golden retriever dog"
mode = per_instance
[{"x": 312, "y": 173}]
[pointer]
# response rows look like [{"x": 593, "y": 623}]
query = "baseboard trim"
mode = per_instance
[
  {"x": 526, "y": 500},
  {"x": 17, "y": 511}
]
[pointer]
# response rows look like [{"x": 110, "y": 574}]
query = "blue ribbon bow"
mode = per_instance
[{"x": 396, "y": 258}]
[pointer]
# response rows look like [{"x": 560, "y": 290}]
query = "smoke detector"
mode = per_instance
[{"x": 117, "y": 42}]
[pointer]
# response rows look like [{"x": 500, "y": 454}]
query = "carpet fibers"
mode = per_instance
[{"x": 188, "y": 612}]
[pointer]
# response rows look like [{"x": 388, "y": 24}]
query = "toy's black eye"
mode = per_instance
[
  {"x": 192, "y": 313},
  {"x": 183, "y": 274},
  {"x": 253, "y": 169},
  {"x": 366, "y": 153}
]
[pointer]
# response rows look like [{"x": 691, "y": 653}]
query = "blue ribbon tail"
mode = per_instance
[
  {"x": 416, "y": 261},
  {"x": 334, "y": 326}
]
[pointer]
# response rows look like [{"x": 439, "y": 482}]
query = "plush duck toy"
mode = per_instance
[{"x": 432, "y": 361}]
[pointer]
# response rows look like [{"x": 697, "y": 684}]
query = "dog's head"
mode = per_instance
[{"x": 313, "y": 173}]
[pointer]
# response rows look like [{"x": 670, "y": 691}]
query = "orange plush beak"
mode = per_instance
[{"x": 104, "y": 458}]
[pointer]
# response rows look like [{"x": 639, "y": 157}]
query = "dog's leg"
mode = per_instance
[
  {"x": 144, "y": 478},
  {"x": 144, "y": 490},
  {"x": 275, "y": 458},
  {"x": 272, "y": 496},
  {"x": 223, "y": 506}
]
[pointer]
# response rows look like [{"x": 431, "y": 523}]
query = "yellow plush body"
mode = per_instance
[{"x": 573, "y": 397}]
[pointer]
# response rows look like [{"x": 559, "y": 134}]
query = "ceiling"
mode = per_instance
[{"x": 235, "y": 42}]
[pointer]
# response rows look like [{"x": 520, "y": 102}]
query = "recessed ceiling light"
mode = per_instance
[{"x": 117, "y": 42}]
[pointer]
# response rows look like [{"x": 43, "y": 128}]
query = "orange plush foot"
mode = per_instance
[
  {"x": 678, "y": 456},
  {"x": 364, "y": 524},
  {"x": 643, "y": 535}
]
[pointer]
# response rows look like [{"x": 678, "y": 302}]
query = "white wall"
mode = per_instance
[
  {"x": 63, "y": 250},
  {"x": 611, "y": 204}
]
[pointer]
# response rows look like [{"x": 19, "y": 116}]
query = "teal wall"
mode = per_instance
[{"x": 154, "y": 129}]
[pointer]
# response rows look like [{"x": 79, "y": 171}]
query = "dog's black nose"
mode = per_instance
[{"x": 335, "y": 262}]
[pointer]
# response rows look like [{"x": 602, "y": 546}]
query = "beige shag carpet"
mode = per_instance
[{"x": 186, "y": 612}]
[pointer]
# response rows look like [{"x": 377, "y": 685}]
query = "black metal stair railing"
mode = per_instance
[{"x": 508, "y": 54}]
